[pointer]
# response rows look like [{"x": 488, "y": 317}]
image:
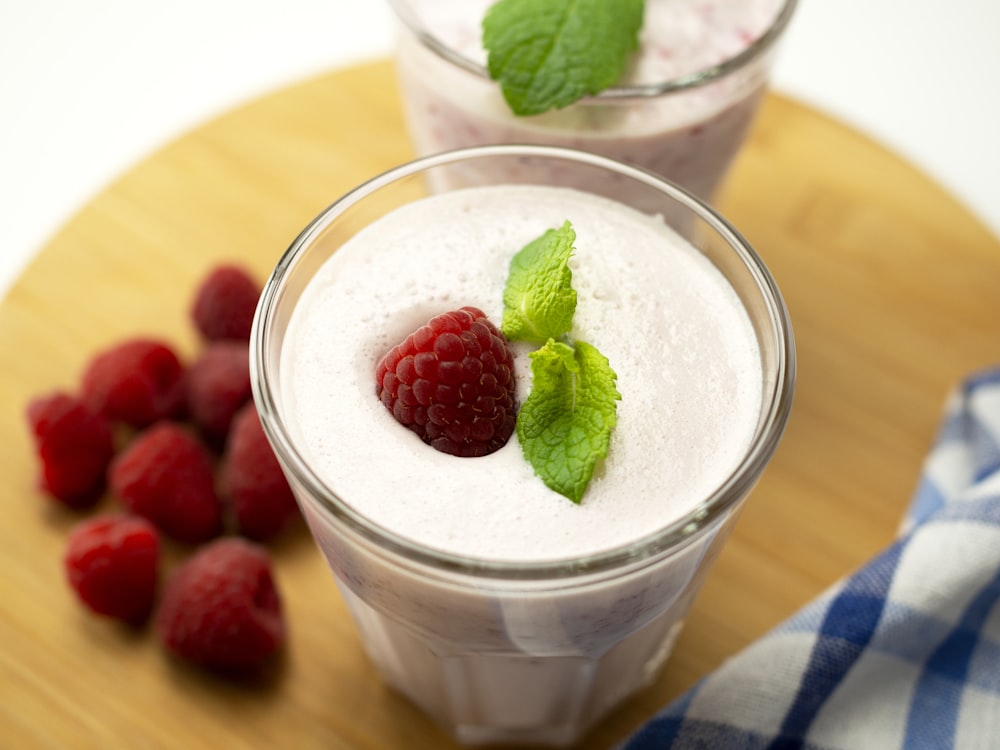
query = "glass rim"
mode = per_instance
[
  {"x": 775, "y": 407},
  {"x": 688, "y": 81}
]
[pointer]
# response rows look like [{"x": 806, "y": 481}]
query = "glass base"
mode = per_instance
[{"x": 508, "y": 696}]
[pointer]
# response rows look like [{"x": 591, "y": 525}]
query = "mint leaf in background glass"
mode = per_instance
[
  {"x": 547, "y": 54},
  {"x": 539, "y": 300},
  {"x": 564, "y": 426}
]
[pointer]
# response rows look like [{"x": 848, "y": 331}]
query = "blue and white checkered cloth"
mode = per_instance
[{"x": 905, "y": 653}]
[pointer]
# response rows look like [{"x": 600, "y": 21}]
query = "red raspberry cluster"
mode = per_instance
[{"x": 180, "y": 449}]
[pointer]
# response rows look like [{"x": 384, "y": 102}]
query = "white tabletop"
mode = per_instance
[{"x": 89, "y": 88}]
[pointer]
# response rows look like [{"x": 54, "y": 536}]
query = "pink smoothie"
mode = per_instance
[
  {"x": 689, "y": 136},
  {"x": 506, "y": 612}
]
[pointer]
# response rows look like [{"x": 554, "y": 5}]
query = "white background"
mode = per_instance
[{"x": 89, "y": 87}]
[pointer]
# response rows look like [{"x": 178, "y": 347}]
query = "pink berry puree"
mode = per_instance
[{"x": 690, "y": 136}]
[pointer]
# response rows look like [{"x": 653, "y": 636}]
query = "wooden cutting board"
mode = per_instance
[{"x": 894, "y": 290}]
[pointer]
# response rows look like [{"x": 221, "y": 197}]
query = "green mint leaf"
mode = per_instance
[
  {"x": 565, "y": 424},
  {"x": 539, "y": 300},
  {"x": 547, "y": 54}
]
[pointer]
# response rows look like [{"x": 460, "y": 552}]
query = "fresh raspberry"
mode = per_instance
[
  {"x": 218, "y": 384},
  {"x": 224, "y": 304},
  {"x": 112, "y": 563},
  {"x": 74, "y": 446},
  {"x": 252, "y": 481},
  {"x": 221, "y": 608},
  {"x": 138, "y": 382},
  {"x": 166, "y": 475},
  {"x": 452, "y": 382}
]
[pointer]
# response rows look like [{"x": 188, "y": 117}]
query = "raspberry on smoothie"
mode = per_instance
[{"x": 452, "y": 383}]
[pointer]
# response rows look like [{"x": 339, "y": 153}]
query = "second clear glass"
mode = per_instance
[{"x": 687, "y": 128}]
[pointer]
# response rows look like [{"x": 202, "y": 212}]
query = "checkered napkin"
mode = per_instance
[{"x": 905, "y": 653}]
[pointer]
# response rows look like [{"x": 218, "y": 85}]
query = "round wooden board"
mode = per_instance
[{"x": 892, "y": 288}]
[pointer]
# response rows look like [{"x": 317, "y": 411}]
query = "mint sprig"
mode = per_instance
[
  {"x": 547, "y": 54},
  {"x": 539, "y": 300},
  {"x": 565, "y": 424}
]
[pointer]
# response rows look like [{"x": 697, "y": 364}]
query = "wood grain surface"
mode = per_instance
[{"x": 894, "y": 292}]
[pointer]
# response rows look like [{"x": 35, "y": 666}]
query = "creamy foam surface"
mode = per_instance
[{"x": 672, "y": 328}]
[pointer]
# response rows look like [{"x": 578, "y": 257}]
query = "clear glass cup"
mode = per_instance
[
  {"x": 519, "y": 652},
  {"x": 687, "y": 129}
]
